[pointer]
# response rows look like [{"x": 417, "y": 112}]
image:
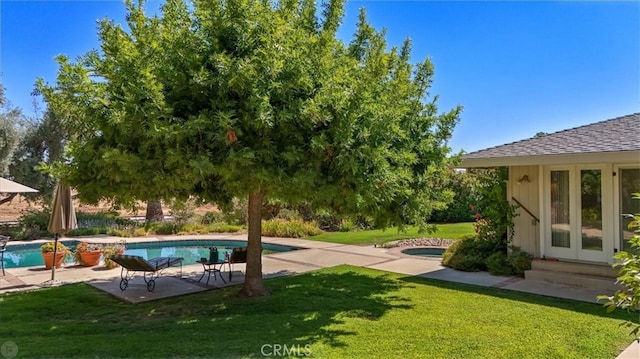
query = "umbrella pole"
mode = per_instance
[{"x": 55, "y": 250}]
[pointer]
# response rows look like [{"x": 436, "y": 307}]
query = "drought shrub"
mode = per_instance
[
  {"x": 235, "y": 212},
  {"x": 35, "y": 219},
  {"x": 289, "y": 229},
  {"x": 32, "y": 224},
  {"x": 182, "y": 211},
  {"x": 211, "y": 217}
]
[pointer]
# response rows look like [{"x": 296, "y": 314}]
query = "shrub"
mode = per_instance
[
  {"x": 327, "y": 221},
  {"x": 32, "y": 224},
  {"x": 212, "y": 217},
  {"x": 235, "y": 212},
  {"x": 497, "y": 264},
  {"x": 519, "y": 261},
  {"x": 471, "y": 253},
  {"x": 87, "y": 231},
  {"x": 110, "y": 250},
  {"x": 120, "y": 232},
  {"x": 628, "y": 264},
  {"x": 182, "y": 211},
  {"x": 223, "y": 228},
  {"x": 347, "y": 225},
  {"x": 162, "y": 228},
  {"x": 98, "y": 219},
  {"x": 289, "y": 229},
  {"x": 288, "y": 214}
]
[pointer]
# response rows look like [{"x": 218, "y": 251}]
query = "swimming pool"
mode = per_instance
[
  {"x": 430, "y": 252},
  {"x": 28, "y": 255}
]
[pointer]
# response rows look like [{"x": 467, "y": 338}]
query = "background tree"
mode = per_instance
[
  {"x": 257, "y": 100},
  {"x": 465, "y": 187},
  {"x": 15, "y": 136},
  {"x": 43, "y": 142}
]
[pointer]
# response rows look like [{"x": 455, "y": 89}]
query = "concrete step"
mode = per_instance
[
  {"x": 591, "y": 269},
  {"x": 606, "y": 284}
]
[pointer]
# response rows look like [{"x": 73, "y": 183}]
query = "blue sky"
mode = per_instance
[{"x": 517, "y": 67}]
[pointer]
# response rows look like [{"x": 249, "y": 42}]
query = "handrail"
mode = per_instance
[{"x": 525, "y": 209}]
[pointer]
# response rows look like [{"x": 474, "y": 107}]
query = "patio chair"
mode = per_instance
[
  {"x": 3, "y": 248},
  {"x": 238, "y": 255},
  {"x": 151, "y": 268}
]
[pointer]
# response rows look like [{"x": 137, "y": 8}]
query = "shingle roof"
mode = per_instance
[{"x": 614, "y": 135}]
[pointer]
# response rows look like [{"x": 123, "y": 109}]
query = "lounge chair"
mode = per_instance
[
  {"x": 238, "y": 255},
  {"x": 151, "y": 268}
]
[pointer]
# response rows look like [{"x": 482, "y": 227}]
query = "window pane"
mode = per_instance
[
  {"x": 629, "y": 183},
  {"x": 560, "y": 224},
  {"x": 591, "y": 211}
]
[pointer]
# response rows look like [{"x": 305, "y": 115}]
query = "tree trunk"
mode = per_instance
[
  {"x": 7, "y": 199},
  {"x": 253, "y": 284},
  {"x": 154, "y": 212}
]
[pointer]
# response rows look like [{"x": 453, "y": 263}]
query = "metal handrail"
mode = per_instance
[{"x": 525, "y": 209}]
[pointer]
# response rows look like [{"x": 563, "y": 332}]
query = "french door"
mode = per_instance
[
  {"x": 579, "y": 206},
  {"x": 628, "y": 184}
]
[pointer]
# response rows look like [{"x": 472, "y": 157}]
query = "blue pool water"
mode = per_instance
[
  {"x": 28, "y": 255},
  {"x": 432, "y": 252}
]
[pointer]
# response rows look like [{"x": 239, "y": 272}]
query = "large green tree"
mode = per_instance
[{"x": 256, "y": 99}]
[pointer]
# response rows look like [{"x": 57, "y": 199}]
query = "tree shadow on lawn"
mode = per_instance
[
  {"x": 308, "y": 309},
  {"x": 304, "y": 309},
  {"x": 561, "y": 303}
]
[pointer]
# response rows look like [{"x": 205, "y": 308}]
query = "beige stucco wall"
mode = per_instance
[{"x": 527, "y": 230}]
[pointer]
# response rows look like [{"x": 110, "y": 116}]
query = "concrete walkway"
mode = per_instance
[{"x": 315, "y": 256}]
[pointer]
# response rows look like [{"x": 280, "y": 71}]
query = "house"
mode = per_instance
[{"x": 572, "y": 189}]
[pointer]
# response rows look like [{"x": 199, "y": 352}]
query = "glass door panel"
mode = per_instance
[
  {"x": 591, "y": 209},
  {"x": 560, "y": 211},
  {"x": 629, "y": 184}
]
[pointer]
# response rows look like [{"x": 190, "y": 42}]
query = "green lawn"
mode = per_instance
[
  {"x": 340, "y": 312},
  {"x": 449, "y": 231}
]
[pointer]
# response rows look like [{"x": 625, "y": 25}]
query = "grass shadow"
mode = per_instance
[{"x": 304, "y": 309}]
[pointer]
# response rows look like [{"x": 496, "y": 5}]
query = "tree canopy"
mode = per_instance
[
  {"x": 25, "y": 143},
  {"x": 234, "y": 98}
]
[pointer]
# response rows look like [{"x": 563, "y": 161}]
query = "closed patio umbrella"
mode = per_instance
[{"x": 62, "y": 219}]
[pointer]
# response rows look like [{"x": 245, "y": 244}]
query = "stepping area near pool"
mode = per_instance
[{"x": 315, "y": 255}]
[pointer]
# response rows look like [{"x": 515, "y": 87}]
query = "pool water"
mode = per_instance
[
  {"x": 29, "y": 255},
  {"x": 425, "y": 252}
]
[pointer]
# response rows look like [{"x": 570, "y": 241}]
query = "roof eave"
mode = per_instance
[{"x": 573, "y": 158}]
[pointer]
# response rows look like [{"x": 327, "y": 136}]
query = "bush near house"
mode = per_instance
[
  {"x": 628, "y": 264},
  {"x": 490, "y": 250}
]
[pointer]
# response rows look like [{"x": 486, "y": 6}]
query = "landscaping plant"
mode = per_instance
[{"x": 628, "y": 264}]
